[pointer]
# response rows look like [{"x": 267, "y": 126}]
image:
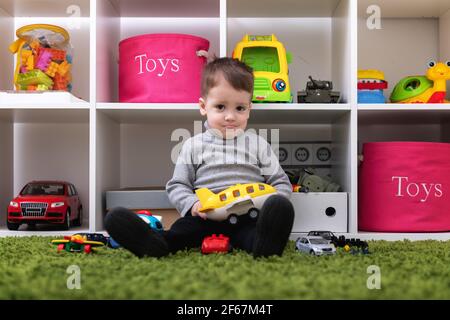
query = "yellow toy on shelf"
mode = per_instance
[
  {"x": 234, "y": 201},
  {"x": 269, "y": 60},
  {"x": 431, "y": 88}
]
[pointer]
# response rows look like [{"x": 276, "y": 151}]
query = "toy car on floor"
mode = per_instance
[
  {"x": 76, "y": 243},
  {"x": 216, "y": 244},
  {"x": 315, "y": 246},
  {"x": 55, "y": 202},
  {"x": 318, "y": 91},
  {"x": 234, "y": 201},
  {"x": 328, "y": 235}
]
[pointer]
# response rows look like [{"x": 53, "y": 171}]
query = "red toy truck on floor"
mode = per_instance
[
  {"x": 54, "y": 202},
  {"x": 216, "y": 244}
]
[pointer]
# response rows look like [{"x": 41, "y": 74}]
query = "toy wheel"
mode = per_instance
[
  {"x": 312, "y": 253},
  {"x": 60, "y": 247},
  {"x": 79, "y": 220},
  {"x": 233, "y": 219},
  {"x": 87, "y": 249},
  {"x": 66, "y": 224},
  {"x": 12, "y": 226},
  {"x": 253, "y": 213}
]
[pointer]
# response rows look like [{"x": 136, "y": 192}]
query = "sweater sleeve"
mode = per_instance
[
  {"x": 272, "y": 171},
  {"x": 180, "y": 189}
]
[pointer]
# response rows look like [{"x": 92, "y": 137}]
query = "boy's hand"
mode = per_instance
[{"x": 195, "y": 212}]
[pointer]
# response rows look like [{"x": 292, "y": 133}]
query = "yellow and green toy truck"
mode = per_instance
[{"x": 269, "y": 60}]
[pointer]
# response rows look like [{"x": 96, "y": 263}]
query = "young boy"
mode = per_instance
[{"x": 224, "y": 155}]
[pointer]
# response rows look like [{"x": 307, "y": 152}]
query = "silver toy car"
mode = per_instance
[{"x": 315, "y": 245}]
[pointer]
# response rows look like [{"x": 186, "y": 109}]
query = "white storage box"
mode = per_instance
[
  {"x": 320, "y": 211},
  {"x": 138, "y": 198}
]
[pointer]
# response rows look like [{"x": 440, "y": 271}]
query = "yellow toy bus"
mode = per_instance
[{"x": 269, "y": 60}]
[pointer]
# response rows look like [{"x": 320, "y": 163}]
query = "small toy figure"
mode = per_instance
[
  {"x": 315, "y": 246},
  {"x": 314, "y": 183},
  {"x": 371, "y": 84},
  {"x": 269, "y": 61},
  {"x": 431, "y": 88},
  {"x": 216, "y": 244},
  {"x": 76, "y": 243},
  {"x": 234, "y": 201},
  {"x": 318, "y": 91}
]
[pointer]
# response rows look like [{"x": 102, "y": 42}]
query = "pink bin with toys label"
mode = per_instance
[
  {"x": 404, "y": 187},
  {"x": 161, "y": 68}
]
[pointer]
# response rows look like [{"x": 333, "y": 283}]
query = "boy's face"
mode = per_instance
[{"x": 226, "y": 108}]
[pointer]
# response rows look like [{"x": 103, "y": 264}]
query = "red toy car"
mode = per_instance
[
  {"x": 46, "y": 202},
  {"x": 216, "y": 244}
]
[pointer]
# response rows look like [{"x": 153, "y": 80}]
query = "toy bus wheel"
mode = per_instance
[
  {"x": 66, "y": 224},
  {"x": 312, "y": 253},
  {"x": 87, "y": 249},
  {"x": 12, "y": 226},
  {"x": 233, "y": 219},
  {"x": 60, "y": 247},
  {"x": 253, "y": 213}
]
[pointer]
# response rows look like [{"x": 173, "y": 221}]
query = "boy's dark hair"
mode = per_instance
[{"x": 238, "y": 74}]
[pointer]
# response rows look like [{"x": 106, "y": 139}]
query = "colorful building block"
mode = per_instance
[
  {"x": 56, "y": 54},
  {"x": 41, "y": 87},
  {"x": 60, "y": 82},
  {"x": 43, "y": 60},
  {"x": 34, "y": 77},
  {"x": 52, "y": 69},
  {"x": 64, "y": 67}
]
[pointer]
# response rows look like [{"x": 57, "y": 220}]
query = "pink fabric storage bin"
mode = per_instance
[
  {"x": 404, "y": 187},
  {"x": 161, "y": 68}
]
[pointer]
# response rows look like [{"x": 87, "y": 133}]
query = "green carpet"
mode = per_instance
[{"x": 31, "y": 268}]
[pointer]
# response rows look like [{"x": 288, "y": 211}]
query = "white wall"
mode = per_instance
[
  {"x": 6, "y": 168},
  {"x": 401, "y": 48},
  {"x": 444, "y": 41},
  {"x": 53, "y": 151}
]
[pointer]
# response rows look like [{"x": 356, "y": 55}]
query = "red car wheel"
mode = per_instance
[
  {"x": 87, "y": 249},
  {"x": 60, "y": 247}
]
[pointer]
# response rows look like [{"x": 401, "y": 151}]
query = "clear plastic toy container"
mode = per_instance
[{"x": 44, "y": 58}]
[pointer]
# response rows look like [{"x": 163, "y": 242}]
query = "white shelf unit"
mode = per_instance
[
  {"x": 74, "y": 16},
  {"x": 129, "y": 145},
  {"x": 44, "y": 144}
]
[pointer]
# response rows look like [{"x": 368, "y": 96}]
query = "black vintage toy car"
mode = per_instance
[{"x": 318, "y": 91}]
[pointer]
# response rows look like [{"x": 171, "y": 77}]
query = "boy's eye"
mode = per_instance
[
  {"x": 241, "y": 108},
  {"x": 220, "y": 107}
]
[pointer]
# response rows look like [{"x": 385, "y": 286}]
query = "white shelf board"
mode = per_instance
[
  {"x": 282, "y": 8},
  {"x": 406, "y": 8},
  {"x": 403, "y": 114},
  {"x": 404, "y": 106},
  {"x": 45, "y": 8},
  {"x": 41, "y": 100},
  {"x": 444, "y": 236},
  {"x": 260, "y": 114},
  {"x": 166, "y": 8},
  {"x": 44, "y": 115},
  {"x": 49, "y": 232}
]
